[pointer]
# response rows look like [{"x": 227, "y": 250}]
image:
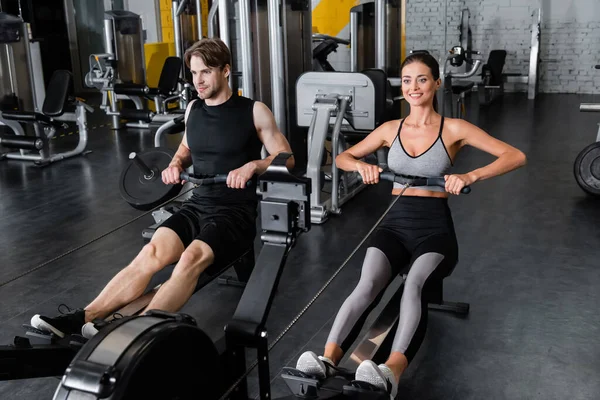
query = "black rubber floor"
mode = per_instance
[{"x": 528, "y": 261}]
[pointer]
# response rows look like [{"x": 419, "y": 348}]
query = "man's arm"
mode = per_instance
[
  {"x": 270, "y": 135},
  {"x": 182, "y": 158},
  {"x": 274, "y": 141}
]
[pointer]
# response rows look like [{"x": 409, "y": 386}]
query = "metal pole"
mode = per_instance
[
  {"x": 108, "y": 38},
  {"x": 224, "y": 28},
  {"x": 277, "y": 60},
  {"x": 380, "y": 28},
  {"x": 211, "y": 18},
  {"x": 199, "y": 18},
  {"x": 224, "y": 22},
  {"x": 246, "y": 43},
  {"x": 177, "y": 30},
  {"x": 353, "y": 41}
]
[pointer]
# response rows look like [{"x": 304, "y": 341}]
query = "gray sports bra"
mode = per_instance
[{"x": 434, "y": 162}]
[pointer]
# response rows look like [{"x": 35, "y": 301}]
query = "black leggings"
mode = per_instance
[{"x": 416, "y": 236}]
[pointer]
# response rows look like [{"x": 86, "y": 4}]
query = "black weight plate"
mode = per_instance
[
  {"x": 145, "y": 194},
  {"x": 587, "y": 169}
]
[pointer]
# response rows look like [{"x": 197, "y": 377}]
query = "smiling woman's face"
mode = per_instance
[{"x": 418, "y": 84}]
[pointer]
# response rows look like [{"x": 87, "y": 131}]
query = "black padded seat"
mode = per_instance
[
  {"x": 494, "y": 66},
  {"x": 55, "y": 103},
  {"x": 382, "y": 92},
  {"x": 459, "y": 87},
  {"x": 57, "y": 93},
  {"x": 167, "y": 83}
]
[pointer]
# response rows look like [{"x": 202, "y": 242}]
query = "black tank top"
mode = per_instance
[{"x": 222, "y": 138}]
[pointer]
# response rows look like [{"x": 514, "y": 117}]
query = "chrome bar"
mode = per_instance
[
  {"x": 469, "y": 73},
  {"x": 177, "y": 31},
  {"x": 108, "y": 38},
  {"x": 380, "y": 28},
  {"x": 211, "y": 18},
  {"x": 353, "y": 42},
  {"x": 277, "y": 61},
  {"x": 224, "y": 22},
  {"x": 246, "y": 44},
  {"x": 335, "y": 137},
  {"x": 224, "y": 28},
  {"x": 532, "y": 81},
  {"x": 181, "y": 6},
  {"x": 589, "y": 107}
]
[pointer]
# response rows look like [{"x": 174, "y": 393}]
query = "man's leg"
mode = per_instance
[
  {"x": 165, "y": 248},
  {"x": 175, "y": 292}
]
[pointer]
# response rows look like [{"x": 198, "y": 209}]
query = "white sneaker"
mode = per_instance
[
  {"x": 320, "y": 367},
  {"x": 88, "y": 330},
  {"x": 380, "y": 376}
]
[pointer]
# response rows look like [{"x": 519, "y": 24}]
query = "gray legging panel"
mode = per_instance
[{"x": 376, "y": 274}]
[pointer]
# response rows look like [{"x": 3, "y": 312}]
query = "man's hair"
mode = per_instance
[{"x": 213, "y": 52}]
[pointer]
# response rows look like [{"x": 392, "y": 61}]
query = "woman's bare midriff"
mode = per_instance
[{"x": 419, "y": 192}]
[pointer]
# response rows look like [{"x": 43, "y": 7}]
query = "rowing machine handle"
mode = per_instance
[
  {"x": 184, "y": 176},
  {"x": 440, "y": 182}
]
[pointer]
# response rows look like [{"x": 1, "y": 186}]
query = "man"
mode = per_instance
[{"x": 224, "y": 134}]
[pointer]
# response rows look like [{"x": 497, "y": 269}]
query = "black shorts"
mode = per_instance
[
  {"x": 415, "y": 226},
  {"x": 229, "y": 230}
]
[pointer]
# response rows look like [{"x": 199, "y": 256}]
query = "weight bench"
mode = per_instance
[
  {"x": 102, "y": 76},
  {"x": 162, "y": 95},
  {"x": 58, "y": 108},
  {"x": 243, "y": 267}
]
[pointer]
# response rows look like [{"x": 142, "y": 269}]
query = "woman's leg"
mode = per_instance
[
  {"x": 433, "y": 259},
  {"x": 377, "y": 272}
]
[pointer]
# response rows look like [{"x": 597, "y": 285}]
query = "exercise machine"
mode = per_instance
[
  {"x": 102, "y": 76},
  {"x": 492, "y": 82},
  {"x": 88, "y": 365},
  {"x": 119, "y": 75},
  {"x": 326, "y": 45},
  {"x": 532, "y": 78},
  {"x": 450, "y": 88},
  {"x": 492, "y": 78},
  {"x": 130, "y": 355},
  {"x": 587, "y": 164},
  {"x": 22, "y": 86},
  {"x": 376, "y": 343},
  {"x": 351, "y": 105},
  {"x": 57, "y": 109}
]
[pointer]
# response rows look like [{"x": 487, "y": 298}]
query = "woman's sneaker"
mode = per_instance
[
  {"x": 380, "y": 376},
  {"x": 69, "y": 322},
  {"x": 317, "y": 366}
]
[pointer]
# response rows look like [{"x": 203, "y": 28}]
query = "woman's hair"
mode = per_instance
[
  {"x": 427, "y": 59},
  {"x": 213, "y": 52}
]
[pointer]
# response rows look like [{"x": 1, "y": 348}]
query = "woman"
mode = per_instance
[{"x": 417, "y": 233}]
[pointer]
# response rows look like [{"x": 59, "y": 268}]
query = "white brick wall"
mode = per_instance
[{"x": 570, "y": 43}]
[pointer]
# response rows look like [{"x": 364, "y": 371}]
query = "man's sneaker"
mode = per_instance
[
  {"x": 319, "y": 367},
  {"x": 380, "y": 376},
  {"x": 69, "y": 322}
]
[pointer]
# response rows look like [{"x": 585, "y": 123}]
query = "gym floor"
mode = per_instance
[{"x": 528, "y": 261}]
